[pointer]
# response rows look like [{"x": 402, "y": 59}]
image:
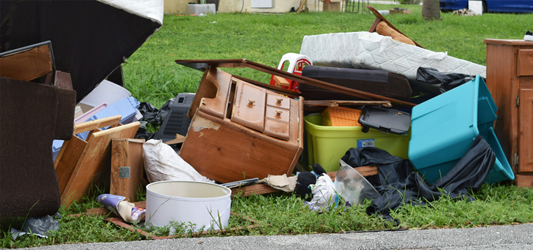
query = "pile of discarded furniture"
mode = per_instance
[{"x": 344, "y": 90}]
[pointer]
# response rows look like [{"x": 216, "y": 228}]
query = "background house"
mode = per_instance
[{"x": 180, "y": 6}]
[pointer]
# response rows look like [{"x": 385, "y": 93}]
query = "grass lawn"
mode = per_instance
[{"x": 152, "y": 76}]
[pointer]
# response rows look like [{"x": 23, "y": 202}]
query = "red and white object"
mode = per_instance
[{"x": 296, "y": 64}]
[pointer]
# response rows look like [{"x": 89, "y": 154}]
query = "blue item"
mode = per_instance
[
  {"x": 444, "y": 128},
  {"x": 126, "y": 107},
  {"x": 490, "y": 5}
]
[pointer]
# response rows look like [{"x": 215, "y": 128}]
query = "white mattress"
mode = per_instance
[
  {"x": 374, "y": 51},
  {"x": 150, "y": 9}
]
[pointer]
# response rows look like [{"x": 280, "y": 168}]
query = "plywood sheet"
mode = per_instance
[
  {"x": 95, "y": 158},
  {"x": 127, "y": 167}
]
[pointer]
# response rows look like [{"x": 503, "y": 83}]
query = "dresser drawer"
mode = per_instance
[
  {"x": 276, "y": 100},
  {"x": 525, "y": 60},
  {"x": 277, "y": 122},
  {"x": 249, "y": 106}
]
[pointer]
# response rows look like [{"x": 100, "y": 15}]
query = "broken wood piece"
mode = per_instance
[
  {"x": 302, "y": 4},
  {"x": 380, "y": 18},
  {"x": 342, "y": 102},
  {"x": 281, "y": 82},
  {"x": 179, "y": 139},
  {"x": 97, "y": 124},
  {"x": 127, "y": 167},
  {"x": 95, "y": 161}
]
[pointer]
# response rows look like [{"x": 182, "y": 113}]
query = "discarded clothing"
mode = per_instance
[{"x": 400, "y": 184}]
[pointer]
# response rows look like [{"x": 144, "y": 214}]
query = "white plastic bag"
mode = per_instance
[
  {"x": 161, "y": 163},
  {"x": 324, "y": 195}
]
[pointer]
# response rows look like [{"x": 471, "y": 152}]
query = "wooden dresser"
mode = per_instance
[
  {"x": 241, "y": 130},
  {"x": 510, "y": 81}
]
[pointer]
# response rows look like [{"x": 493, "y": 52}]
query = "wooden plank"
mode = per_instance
[
  {"x": 280, "y": 81},
  {"x": 233, "y": 63},
  {"x": 95, "y": 159},
  {"x": 67, "y": 159},
  {"x": 302, "y": 4},
  {"x": 179, "y": 139},
  {"x": 126, "y": 155},
  {"x": 96, "y": 124},
  {"x": 256, "y": 189},
  {"x": 343, "y": 102},
  {"x": 380, "y": 17}
]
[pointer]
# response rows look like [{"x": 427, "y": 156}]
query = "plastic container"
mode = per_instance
[
  {"x": 340, "y": 116},
  {"x": 188, "y": 201},
  {"x": 352, "y": 186},
  {"x": 327, "y": 144},
  {"x": 385, "y": 120},
  {"x": 444, "y": 128}
]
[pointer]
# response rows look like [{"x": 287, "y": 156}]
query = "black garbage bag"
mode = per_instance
[
  {"x": 440, "y": 82},
  {"x": 400, "y": 184},
  {"x": 151, "y": 117}
]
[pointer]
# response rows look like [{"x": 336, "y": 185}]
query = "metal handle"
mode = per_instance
[
  {"x": 251, "y": 102},
  {"x": 279, "y": 100},
  {"x": 278, "y": 113}
]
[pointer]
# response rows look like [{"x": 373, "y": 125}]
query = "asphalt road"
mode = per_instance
[{"x": 494, "y": 237}]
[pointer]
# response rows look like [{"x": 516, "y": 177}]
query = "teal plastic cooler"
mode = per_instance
[{"x": 444, "y": 128}]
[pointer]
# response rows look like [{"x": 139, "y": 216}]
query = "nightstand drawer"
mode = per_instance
[{"x": 249, "y": 106}]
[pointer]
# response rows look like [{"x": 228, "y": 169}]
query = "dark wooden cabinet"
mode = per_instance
[{"x": 510, "y": 81}]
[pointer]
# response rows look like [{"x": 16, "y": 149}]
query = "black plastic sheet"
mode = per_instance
[
  {"x": 401, "y": 184},
  {"x": 152, "y": 117},
  {"x": 440, "y": 82}
]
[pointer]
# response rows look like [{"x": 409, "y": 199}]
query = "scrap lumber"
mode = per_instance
[
  {"x": 329, "y": 103},
  {"x": 127, "y": 167},
  {"x": 302, "y": 4},
  {"x": 95, "y": 160},
  {"x": 380, "y": 18},
  {"x": 203, "y": 65}
]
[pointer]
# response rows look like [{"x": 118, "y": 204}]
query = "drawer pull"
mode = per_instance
[
  {"x": 278, "y": 112},
  {"x": 251, "y": 102},
  {"x": 279, "y": 100}
]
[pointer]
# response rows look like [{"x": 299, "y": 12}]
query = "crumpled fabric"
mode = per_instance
[{"x": 400, "y": 184}]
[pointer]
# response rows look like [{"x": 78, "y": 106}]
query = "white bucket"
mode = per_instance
[{"x": 187, "y": 201}]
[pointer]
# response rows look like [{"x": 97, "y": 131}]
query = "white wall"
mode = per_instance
[{"x": 179, "y": 6}]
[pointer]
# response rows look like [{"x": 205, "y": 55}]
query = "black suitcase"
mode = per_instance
[{"x": 378, "y": 82}]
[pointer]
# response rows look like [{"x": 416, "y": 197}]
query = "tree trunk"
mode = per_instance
[{"x": 431, "y": 10}]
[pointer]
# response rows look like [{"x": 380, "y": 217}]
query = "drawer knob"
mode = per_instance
[
  {"x": 251, "y": 102},
  {"x": 278, "y": 113},
  {"x": 279, "y": 100}
]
